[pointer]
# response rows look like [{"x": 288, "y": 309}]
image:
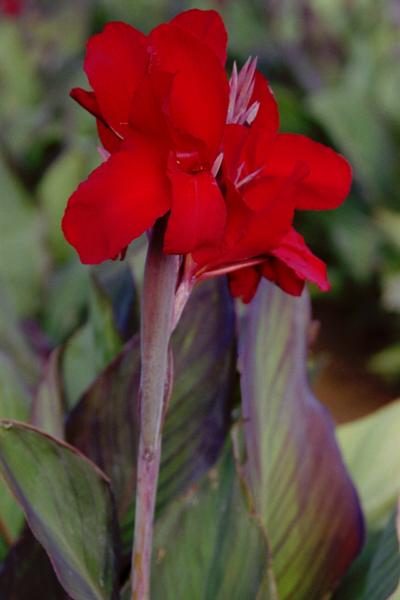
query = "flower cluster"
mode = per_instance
[{"x": 180, "y": 139}]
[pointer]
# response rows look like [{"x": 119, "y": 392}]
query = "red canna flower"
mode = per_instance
[
  {"x": 11, "y": 8},
  {"x": 160, "y": 103},
  {"x": 267, "y": 176},
  {"x": 181, "y": 141}
]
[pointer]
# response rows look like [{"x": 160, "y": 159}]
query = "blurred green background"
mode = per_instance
[{"x": 335, "y": 68}]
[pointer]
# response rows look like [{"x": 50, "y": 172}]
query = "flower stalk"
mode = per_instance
[{"x": 158, "y": 301}]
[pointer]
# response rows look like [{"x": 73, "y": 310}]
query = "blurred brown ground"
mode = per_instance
[{"x": 341, "y": 352}]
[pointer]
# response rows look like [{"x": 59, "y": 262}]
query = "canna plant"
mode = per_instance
[{"x": 195, "y": 462}]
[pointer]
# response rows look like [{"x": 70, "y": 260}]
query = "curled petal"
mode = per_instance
[
  {"x": 111, "y": 142},
  {"x": 283, "y": 276},
  {"x": 198, "y": 99},
  {"x": 208, "y": 27},
  {"x": 289, "y": 267},
  {"x": 117, "y": 203},
  {"x": 295, "y": 254},
  {"x": 87, "y": 100},
  {"x": 327, "y": 177},
  {"x": 243, "y": 283},
  {"x": 198, "y": 213},
  {"x": 116, "y": 62}
]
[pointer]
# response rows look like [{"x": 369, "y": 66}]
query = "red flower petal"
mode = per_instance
[
  {"x": 247, "y": 234},
  {"x": 148, "y": 106},
  {"x": 235, "y": 145},
  {"x": 296, "y": 255},
  {"x": 12, "y": 8},
  {"x": 111, "y": 142},
  {"x": 116, "y": 62},
  {"x": 117, "y": 203},
  {"x": 328, "y": 180},
  {"x": 243, "y": 283},
  {"x": 87, "y": 100},
  {"x": 261, "y": 192},
  {"x": 208, "y": 27},
  {"x": 198, "y": 100},
  {"x": 268, "y": 112},
  {"x": 264, "y": 230},
  {"x": 283, "y": 276},
  {"x": 198, "y": 212}
]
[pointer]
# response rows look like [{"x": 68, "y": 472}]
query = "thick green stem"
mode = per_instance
[{"x": 161, "y": 273}]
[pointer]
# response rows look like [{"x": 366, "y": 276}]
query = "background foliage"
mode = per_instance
[{"x": 334, "y": 66}]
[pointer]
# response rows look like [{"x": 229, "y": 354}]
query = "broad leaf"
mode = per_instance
[
  {"x": 65, "y": 302},
  {"x": 370, "y": 448},
  {"x": 383, "y": 579},
  {"x": 198, "y": 415},
  {"x": 27, "y": 573},
  {"x": 68, "y": 505},
  {"x": 57, "y": 183},
  {"x": 208, "y": 545},
  {"x": 92, "y": 347},
  {"x": 116, "y": 282},
  {"x": 14, "y": 343},
  {"x": 352, "y": 119},
  {"x": 22, "y": 257},
  {"x": 79, "y": 364},
  {"x": 15, "y": 403},
  {"x": 15, "y": 398},
  {"x": 104, "y": 425},
  {"x": 107, "y": 342},
  {"x": 20, "y": 87},
  {"x": 294, "y": 470},
  {"x": 47, "y": 411}
]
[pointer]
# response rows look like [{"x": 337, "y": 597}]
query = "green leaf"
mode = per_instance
[
  {"x": 22, "y": 256},
  {"x": 56, "y": 185},
  {"x": 300, "y": 487},
  {"x": 14, "y": 343},
  {"x": 104, "y": 425},
  {"x": 106, "y": 338},
  {"x": 386, "y": 362},
  {"x": 15, "y": 398},
  {"x": 115, "y": 279},
  {"x": 370, "y": 448},
  {"x": 79, "y": 364},
  {"x": 208, "y": 545},
  {"x": 20, "y": 87},
  {"x": 15, "y": 403},
  {"x": 383, "y": 580},
  {"x": 389, "y": 222},
  {"x": 356, "y": 241},
  {"x": 68, "y": 505},
  {"x": 349, "y": 114},
  {"x": 352, "y": 585},
  {"x": 48, "y": 406},
  {"x": 66, "y": 301},
  {"x": 93, "y": 346}
]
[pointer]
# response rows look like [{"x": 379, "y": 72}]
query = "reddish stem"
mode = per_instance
[{"x": 158, "y": 300}]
